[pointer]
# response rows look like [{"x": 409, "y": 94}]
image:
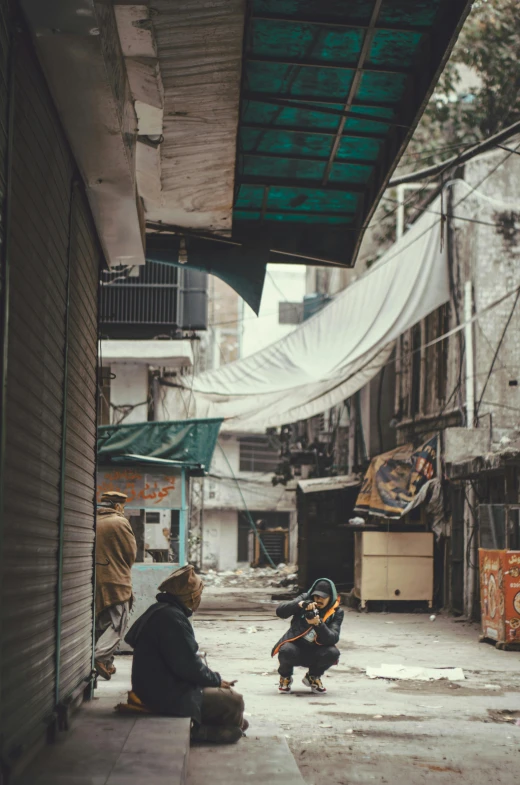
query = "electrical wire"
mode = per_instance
[
  {"x": 282, "y": 295},
  {"x": 501, "y": 406},
  {"x": 474, "y": 528},
  {"x": 462, "y": 199},
  {"x": 127, "y": 408},
  {"x": 477, "y": 149},
  {"x": 497, "y": 350},
  {"x": 455, "y": 217},
  {"x": 501, "y": 367},
  {"x": 250, "y": 519}
]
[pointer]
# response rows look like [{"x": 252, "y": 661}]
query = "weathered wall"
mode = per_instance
[
  {"x": 128, "y": 388},
  {"x": 490, "y": 255},
  {"x": 283, "y": 282},
  {"x": 221, "y": 491},
  {"x": 223, "y": 501},
  {"x": 485, "y": 249},
  {"x": 220, "y": 539}
]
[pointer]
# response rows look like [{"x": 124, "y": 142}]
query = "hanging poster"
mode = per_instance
[{"x": 394, "y": 478}]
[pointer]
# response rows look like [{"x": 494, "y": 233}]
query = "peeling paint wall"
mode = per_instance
[{"x": 485, "y": 249}]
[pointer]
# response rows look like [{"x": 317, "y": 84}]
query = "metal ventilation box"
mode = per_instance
[{"x": 159, "y": 301}]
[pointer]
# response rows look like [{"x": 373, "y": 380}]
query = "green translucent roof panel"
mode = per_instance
[{"x": 331, "y": 93}]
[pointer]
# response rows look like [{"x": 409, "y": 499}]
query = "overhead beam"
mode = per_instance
[
  {"x": 307, "y": 62},
  {"x": 292, "y": 129},
  {"x": 302, "y": 214},
  {"x": 330, "y": 22},
  {"x": 303, "y": 101},
  {"x": 356, "y": 81},
  {"x": 294, "y": 182},
  {"x": 320, "y": 159}
]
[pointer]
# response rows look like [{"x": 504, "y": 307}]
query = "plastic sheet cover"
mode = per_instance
[
  {"x": 336, "y": 352},
  {"x": 188, "y": 443}
]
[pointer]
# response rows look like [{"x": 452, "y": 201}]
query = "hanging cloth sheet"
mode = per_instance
[{"x": 333, "y": 354}]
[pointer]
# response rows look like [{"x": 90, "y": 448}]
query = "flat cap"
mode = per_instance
[{"x": 114, "y": 496}]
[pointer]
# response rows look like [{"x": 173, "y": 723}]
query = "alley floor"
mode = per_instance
[
  {"x": 366, "y": 730},
  {"x": 360, "y": 731}
]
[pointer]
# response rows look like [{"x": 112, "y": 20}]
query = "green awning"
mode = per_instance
[
  {"x": 331, "y": 93},
  {"x": 184, "y": 443},
  {"x": 242, "y": 267}
]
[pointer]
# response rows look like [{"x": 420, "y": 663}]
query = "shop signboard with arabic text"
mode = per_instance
[{"x": 154, "y": 490}]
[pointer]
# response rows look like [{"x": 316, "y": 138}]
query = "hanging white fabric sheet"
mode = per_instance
[{"x": 334, "y": 353}]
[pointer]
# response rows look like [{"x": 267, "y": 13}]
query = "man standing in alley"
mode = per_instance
[
  {"x": 312, "y": 637},
  {"x": 116, "y": 551}
]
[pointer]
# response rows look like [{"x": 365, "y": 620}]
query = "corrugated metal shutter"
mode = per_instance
[
  {"x": 41, "y": 190},
  {"x": 49, "y": 228},
  {"x": 4, "y": 115},
  {"x": 5, "y": 95},
  {"x": 80, "y": 453}
]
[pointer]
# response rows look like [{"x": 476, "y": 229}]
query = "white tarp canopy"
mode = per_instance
[{"x": 333, "y": 354}]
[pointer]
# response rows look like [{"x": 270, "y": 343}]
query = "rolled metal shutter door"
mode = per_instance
[
  {"x": 76, "y": 622},
  {"x": 42, "y": 172},
  {"x": 4, "y": 120}
]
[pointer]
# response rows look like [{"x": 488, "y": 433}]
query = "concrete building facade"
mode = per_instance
[
  {"x": 239, "y": 488},
  {"x": 231, "y": 494}
]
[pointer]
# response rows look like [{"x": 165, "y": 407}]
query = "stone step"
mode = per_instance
[
  {"x": 155, "y": 753},
  {"x": 103, "y": 748},
  {"x": 262, "y": 758}
]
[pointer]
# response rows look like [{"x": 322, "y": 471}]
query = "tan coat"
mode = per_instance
[{"x": 116, "y": 550}]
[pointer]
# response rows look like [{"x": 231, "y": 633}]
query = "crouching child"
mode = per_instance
[{"x": 311, "y": 639}]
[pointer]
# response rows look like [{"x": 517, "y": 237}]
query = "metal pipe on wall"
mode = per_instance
[
  {"x": 183, "y": 521},
  {"x": 471, "y": 553},
  {"x": 63, "y": 450},
  {"x": 5, "y": 295},
  {"x": 470, "y": 361}
]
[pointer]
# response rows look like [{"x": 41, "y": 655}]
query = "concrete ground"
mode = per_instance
[
  {"x": 361, "y": 731},
  {"x": 367, "y": 730}
]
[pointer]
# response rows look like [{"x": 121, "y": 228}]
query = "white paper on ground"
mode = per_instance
[{"x": 414, "y": 673}]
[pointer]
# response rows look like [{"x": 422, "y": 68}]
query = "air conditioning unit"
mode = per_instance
[{"x": 159, "y": 301}]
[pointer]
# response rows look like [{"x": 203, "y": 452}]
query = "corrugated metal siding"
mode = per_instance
[
  {"x": 49, "y": 229},
  {"x": 4, "y": 112},
  {"x": 5, "y": 91},
  {"x": 41, "y": 188},
  {"x": 80, "y": 453}
]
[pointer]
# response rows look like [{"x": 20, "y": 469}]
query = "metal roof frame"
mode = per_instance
[{"x": 298, "y": 68}]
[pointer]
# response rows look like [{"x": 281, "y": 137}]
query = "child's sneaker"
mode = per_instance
[
  {"x": 315, "y": 683},
  {"x": 285, "y": 684}
]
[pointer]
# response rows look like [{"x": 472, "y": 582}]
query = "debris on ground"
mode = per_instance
[
  {"x": 350, "y": 599},
  {"x": 504, "y": 715},
  {"x": 410, "y": 673},
  {"x": 253, "y": 577}
]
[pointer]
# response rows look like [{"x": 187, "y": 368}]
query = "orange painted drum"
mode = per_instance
[{"x": 500, "y": 595}]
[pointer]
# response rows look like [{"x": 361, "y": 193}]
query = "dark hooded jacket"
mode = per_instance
[
  {"x": 167, "y": 674},
  {"x": 327, "y": 633}
]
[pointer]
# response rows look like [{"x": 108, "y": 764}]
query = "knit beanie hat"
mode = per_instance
[{"x": 185, "y": 584}]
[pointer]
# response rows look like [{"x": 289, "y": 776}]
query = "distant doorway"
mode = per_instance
[{"x": 273, "y": 528}]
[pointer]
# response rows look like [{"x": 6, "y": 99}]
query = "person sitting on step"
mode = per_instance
[
  {"x": 168, "y": 674},
  {"x": 312, "y": 637}
]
